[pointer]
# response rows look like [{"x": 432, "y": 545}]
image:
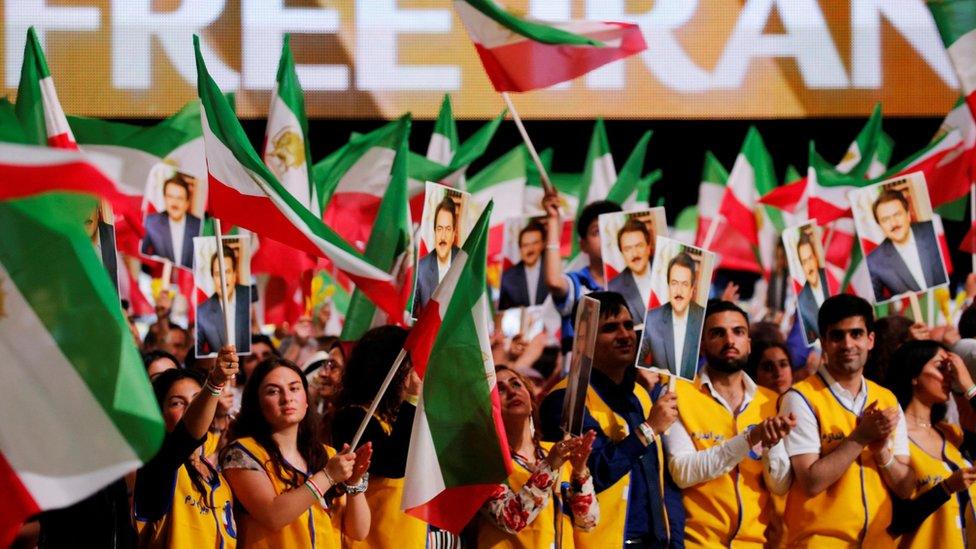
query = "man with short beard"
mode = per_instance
[
  {"x": 726, "y": 450},
  {"x": 849, "y": 447}
]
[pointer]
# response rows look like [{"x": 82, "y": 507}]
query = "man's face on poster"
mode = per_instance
[
  {"x": 680, "y": 288},
  {"x": 894, "y": 220},
  {"x": 230, "y": 275},
  {"x": 635, "y": 249},
  {"x": 444, "y": 232},
  {"x": 530, "y": 247},
  {"x": 810, "y": 264},
  {"x": 177, "y": 201}
]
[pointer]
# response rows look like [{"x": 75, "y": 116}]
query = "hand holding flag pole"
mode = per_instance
[{"x": 223, "y": 285}]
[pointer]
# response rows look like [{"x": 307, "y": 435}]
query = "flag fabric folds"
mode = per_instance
[
  {"x": 458, "y": 450},
  {"x": 522, "y": 54},
  {"x": 38, "y": 107},
  {"x": 63, "y": 335},
  {"x": 244, "y": 192}
]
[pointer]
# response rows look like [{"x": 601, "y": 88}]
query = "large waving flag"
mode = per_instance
[
  {"x": 752, "y": 176},
  {"x": 286, "y": 149},
  {"x": 458, "y": 451},
  {"x": 521, "y": 54},
  {"x": 81, "y": 413},
  {"x": 390, "y": 248},
  {"x": 631, "y": 190},
  {"x": 868, "y": 154},
  {"x": 734, "y": 250},
  {"x": 956, "y": 21},
  {"x": 38, "y": 107},
  {"x": 30, "y": 169},
  {"x": 244, "y": 192},
  {"x": 946, "y": 163}
]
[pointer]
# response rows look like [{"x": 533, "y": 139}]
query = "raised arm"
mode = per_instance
[
  {"x": 553, "y": 265},
  {"x": 200, "y": 413}
]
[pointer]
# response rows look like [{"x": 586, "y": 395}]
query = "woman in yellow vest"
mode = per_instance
[
  {"x": 941, "y": 512},
  {"x": 522, "y": 514},
  {"x": 388, "y": 430},
  {"x": 180, "y": 498},
  {"x": 287, "y": 485}
]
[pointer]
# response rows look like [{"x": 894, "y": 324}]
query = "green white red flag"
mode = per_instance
[
  {"x": 30, "y": 169},
  {"x": 733, "y": 248},
  {"x": 390, "y": 248},
  {"x": 286, "y": 148},
  {"x": 444, "y": 140},
  {"x": 244, "y": 192},
  {"x": 38, "y": 107},
  {"x": 956, "y": 21},
  {"x": 521, "y": 54},
  {"x": 752, "y": 176},
  {"x": 458, "y": 450},
  {"x": 631, "y": 189},
  {"x": 81, "y": 413}
]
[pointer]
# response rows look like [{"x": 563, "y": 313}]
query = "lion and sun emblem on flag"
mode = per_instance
[{"x": 287, "y": 151}]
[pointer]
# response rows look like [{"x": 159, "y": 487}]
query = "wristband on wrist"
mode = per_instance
[
  {"x": 316, "y": 486},
  {"x": 328, "y": 477},
  {"x": 312, "y": 489},
  {"x": 891, "y": 459},
  {"x": 214, "y": 390},
  {"x": 971, "y": 392},
  {"x": 646, "y": 431},
  {"x": 553, "y": 247}
]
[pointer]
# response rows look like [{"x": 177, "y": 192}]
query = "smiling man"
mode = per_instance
[
  {"x": 672, "y": 331},
  {"x": 636, "y": 244},
  {"x": 907, "y": 260},
  {"x": 639, "y": 504}
]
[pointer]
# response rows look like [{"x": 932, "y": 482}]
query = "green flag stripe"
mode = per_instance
[
  {"x": 77, "y": 304},
  {"x": 156, "y": 140},
  {"x": 953, "y": 18},
  {"x": 534, "y": 31}
]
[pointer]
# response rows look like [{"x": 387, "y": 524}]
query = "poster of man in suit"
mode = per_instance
[
  {"x": 670, "y": 341},
  {"x": 523, "y": 281},
  {"x": 447, "y": 218},
  {"x": 211, "y": 333},
  {"x": 170, "y": 232},
  {"x": 897, "y": 232},
  {"x": 808, "y": 275},
  {"x": 628, "y": 243}
]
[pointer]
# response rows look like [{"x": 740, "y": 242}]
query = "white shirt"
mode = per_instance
[
  {"x": 818, "y": 292},
  {"x": 442, "y": 269},
  {"x": 644, "y": 284},
  {"x": 909, "y": 254},
  {"x": 805, "y": 437},
  {"x": 176, "y": 231},
  {"x": 680, "y": 326},
  {"x": 690, "y": 466},
  {"x": 532, "y": 279}
]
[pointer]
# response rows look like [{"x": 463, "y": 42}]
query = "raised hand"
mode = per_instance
[
  {"x": 361, "y": 464},
  {"x": 225, "y": 367},
  {"x": 579, "y": 455},
  {"x": 340, "y": 466},
  {"x": 663, "y": 413},
  {"x": 772, "y": 430}
]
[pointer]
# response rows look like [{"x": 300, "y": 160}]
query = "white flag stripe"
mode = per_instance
[
  {"x": 60, "y": 406},
  {"x": 370, "y": 174},
  {"x": 280, "y": 119},
  {"x": 54, "y": 118},
  {"x": 423, "y": 466},
  {"x": 962, "y": 52}
]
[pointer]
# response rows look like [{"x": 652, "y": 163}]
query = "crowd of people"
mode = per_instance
[{"x": 865, "y": 443}]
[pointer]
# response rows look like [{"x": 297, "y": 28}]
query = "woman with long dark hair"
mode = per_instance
[
  {"x": 388, "y": 430},
  {"x": 522, "y": 513},
  {"x": 289, "y": 486},
  {"x": 180, "y": 498},
  {"x": 921, "y": 375}
]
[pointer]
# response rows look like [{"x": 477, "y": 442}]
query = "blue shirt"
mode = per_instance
[
  {"x": 609, "y": 461},
  {"x": 580, "y": 283}
]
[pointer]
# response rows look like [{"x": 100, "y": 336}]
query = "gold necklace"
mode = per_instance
[{"x": 921, "y": 424}]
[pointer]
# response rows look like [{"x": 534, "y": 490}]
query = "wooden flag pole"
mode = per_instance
[
  {"x": 379, "y": 395},
  {"x": 223, "y": 285},
  {"x": 547, "y": 185},
  {"x": 712, "y": 229}
]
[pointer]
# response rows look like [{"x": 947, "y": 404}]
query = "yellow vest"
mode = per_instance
[
  {"x": 541, "y": 532},
  {"x": 732, "y": 507},
  {"x": 613, "y": 500},
  {"x": 316, "y": 527},
  {"x": 944, "y": 527},
  {"x": 390, "y": 527},
  {"x": 855, "y": 510},
  {"x": 194, "y": 519}
]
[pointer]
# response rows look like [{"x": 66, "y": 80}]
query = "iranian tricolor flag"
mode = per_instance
[
  {"x": 752, "y": 176},
  {"x": 869, "y": 153},
  {"x": 599, "y": 173},
  {"x": 734, "y": 250},
  {"x": 956, "y": 21},
  {"x": 444, "y": 140},
  {"x": 356, "y": 181},
  {"x": 521, "y": 54},
  {"x": 946, "y": 163},
  {"x": 78, "y": 411},
  {"x": 389, "y": 248},
  {"x": 31, "y": 169},
  {"x": 38, "y": 107},
  {"x": 286, "y": 149},
  {"x": 631, "y": 190},
  {"x": 503, "y": 182},
  {"x": 458, "y": 450},
  {"x": 244, "y": 192}
]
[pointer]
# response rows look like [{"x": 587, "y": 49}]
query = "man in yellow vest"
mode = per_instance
[
  {"x": 639, "y": 504},
  {"x": 850, "y": 445},
  {"x": 726, "y": 452}
]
